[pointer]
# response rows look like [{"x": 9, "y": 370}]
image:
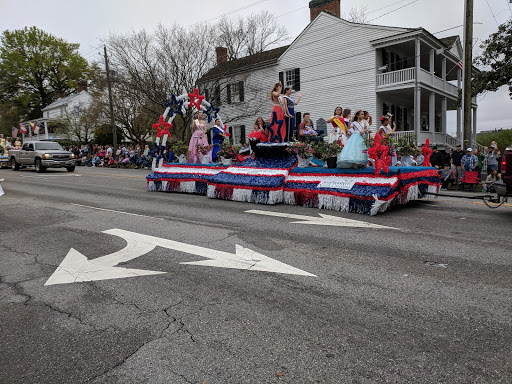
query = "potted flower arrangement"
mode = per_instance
[
  {"x": 329, "y": 153},
  {"x": 180, "y": 150},
  {"x": 407, "y": 149},
  {"x": 228, "y": 152},
  {"x": 204, "y": 151},
  {"x": 304, "y": 152}
]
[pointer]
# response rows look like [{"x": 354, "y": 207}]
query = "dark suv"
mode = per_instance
[{"x": 504, "y": 187}]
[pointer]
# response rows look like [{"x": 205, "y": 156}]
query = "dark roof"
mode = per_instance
[
  {"x": 318, "y": 3},
  {"x": 449, "y": 41},
  {"x": 246, "y": 63}
]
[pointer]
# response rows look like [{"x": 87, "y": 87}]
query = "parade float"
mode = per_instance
[{"x": 272, "y": 174}]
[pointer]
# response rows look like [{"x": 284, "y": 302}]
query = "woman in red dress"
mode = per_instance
[{"x": 277, "y": 126}]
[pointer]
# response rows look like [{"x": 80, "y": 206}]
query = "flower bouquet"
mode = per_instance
[
  {"x": 304, "y": 152},
  {"x": 180, "y": 150},
  {"x": 228, "y": 152},
  {"x": 204, "y": 151},
  {"x": 329, "y": 152}
]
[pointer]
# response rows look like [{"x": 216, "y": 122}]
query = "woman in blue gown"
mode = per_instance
[
  {"x": 217, "y": 139},
  {"x": 290, "y": 119},
  {"x": 355, "y": 153}
]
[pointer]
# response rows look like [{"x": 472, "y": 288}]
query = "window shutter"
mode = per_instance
[
  {"x": 242, "y": 134},
  {"x": 228, "y": 91},
  {"x": 241, "y": 88},
  {"x": 206, "y": 95},
  {"x": 298, "y": 119},
  {"x": 393, "y": 112},
  {"x": 230, "y": 130},
  {"x": 217, "y": 95},
  {"x": 384, "y": 109},
  {"x": 296, "y": 86},
  {"x": 281, "y": 78},
  {"x": 406, "y": 124}
]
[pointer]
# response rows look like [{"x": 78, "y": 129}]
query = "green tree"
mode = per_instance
[
  {"x": 496, "y": 59},
  {"x": 503, "y": 138},
  {"x": 36, "y": 68}
]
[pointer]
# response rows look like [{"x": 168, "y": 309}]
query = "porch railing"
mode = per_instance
[
  {"x": 409, "y": 135},
  {"x": 401, "y": 76}
]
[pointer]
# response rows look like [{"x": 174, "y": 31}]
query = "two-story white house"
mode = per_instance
[
  {"x": 408, "y": 72},
  {"x": 68, "y": 108}
]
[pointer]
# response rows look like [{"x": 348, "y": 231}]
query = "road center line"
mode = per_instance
[{"x": 112, "y": 210}]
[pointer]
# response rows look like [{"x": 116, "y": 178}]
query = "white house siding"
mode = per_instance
[
  {"x": 257, "y": 87},
  {"x": 330, "y": 76},
  {"x": 58, "y": 109}
]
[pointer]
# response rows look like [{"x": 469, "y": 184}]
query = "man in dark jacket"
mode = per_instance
[
  {"x": 456, "y": 165},
  {"x": 437, "y": 158}
]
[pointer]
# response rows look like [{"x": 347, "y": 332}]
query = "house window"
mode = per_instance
[
  {"x": 76, "y": 111},
  {"x": 235, "y": 92},
  {"x": 290, "y": 79}
]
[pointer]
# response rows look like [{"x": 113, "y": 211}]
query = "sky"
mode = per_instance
[{"x": 86, "y": 22}]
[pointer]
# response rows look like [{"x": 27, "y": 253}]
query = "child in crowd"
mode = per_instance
[{"x": 446, "y": 177}]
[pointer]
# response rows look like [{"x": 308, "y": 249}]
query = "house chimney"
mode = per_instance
[
  {"x": 82, "y": 87},
  {"x": 317, "y": 6},
  {"x": 222, "y": 55}
]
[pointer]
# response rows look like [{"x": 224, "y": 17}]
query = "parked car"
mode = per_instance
[
  {"x": 504, "y": 187},
  {"x": 42, "y": 155}
]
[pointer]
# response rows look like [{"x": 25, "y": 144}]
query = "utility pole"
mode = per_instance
[
  {"x": 468, "y": 62},
  {"x": 114, "y": 131}
]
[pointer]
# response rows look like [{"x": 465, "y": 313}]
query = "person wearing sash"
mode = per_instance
[
  {"x": 198, "y": 137},
  {"x": 340, "y": 131},
  {"x": 385, "y": 128},
  {"x": 290, "y": 105},
  {"x": 277, "y": 126},
  {"x": 355, "y": 153},
  {"x": 219, "y": 134}
]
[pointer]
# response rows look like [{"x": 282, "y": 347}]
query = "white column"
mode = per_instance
[
  {"x": 444, "y": 108},
  {"x": 473, "y": 139},
  {"x": 417, "y": 90},
  {"x": 432, "y": 61},
  {"x": 443, "y": 69},
  {"x": 459, "y": 108},
  {"x": 432, "y": 113}
]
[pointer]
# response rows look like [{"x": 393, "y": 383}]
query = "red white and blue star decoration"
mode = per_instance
[{"x": 196, "y": 99}]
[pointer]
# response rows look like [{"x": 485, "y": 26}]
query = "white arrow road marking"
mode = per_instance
[
  {"x": 322, "y": 220},
  {"x": 77, "y": 268}
]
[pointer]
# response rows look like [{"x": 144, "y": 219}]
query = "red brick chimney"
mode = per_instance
[
  {"x": 82, "y": 86},
  {"x": 222, "y": 55},
  {"x": 317, "y": 6}
]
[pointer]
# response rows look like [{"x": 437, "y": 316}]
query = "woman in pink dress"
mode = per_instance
[
  {"x": 198, "y": 137},
  {"x": 277, "y": 126}
]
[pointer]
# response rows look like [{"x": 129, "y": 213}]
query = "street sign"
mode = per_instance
[{"x": 78, "y": 268}]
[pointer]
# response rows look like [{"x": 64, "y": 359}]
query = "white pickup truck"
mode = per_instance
[{"x": 42, "y": 155}]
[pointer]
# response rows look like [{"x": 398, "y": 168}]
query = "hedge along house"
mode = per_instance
[{"x": 408, "y": 72}]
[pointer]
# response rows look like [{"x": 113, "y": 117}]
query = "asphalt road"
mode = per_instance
[{"x": 425, "y": 300}]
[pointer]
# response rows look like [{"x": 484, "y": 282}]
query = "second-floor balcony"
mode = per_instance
[{"x": 407, "y": 77}]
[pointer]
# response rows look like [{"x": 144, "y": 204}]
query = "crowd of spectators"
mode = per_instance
[{"x": 126, "y": 156}]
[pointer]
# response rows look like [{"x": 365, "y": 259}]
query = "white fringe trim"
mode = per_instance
[
  {"x": 432, "y": 189},
  {"x": 211, "y": 191},
  {"x": 335, "y": 203},
  {"x": 242, "y": 195},
  {"x": 275, "y": 197},
  {"x": 412, "y": 194},
  {"x": 379, "y": 206},
  {"x": 187, "y": 186},
  {"x": 151, "y": 186},
  {"x": 164, "y": 185},
  {"x": 289, "y": 198}
]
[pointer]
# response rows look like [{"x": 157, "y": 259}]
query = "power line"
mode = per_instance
[
  {"x": 492, "y": 13},
  {"x": 389, "y": 5},
  {"x": 228, "y": 13},
  {"x": 508, "y": 3},
  {"x": 403, "y": 6}
]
